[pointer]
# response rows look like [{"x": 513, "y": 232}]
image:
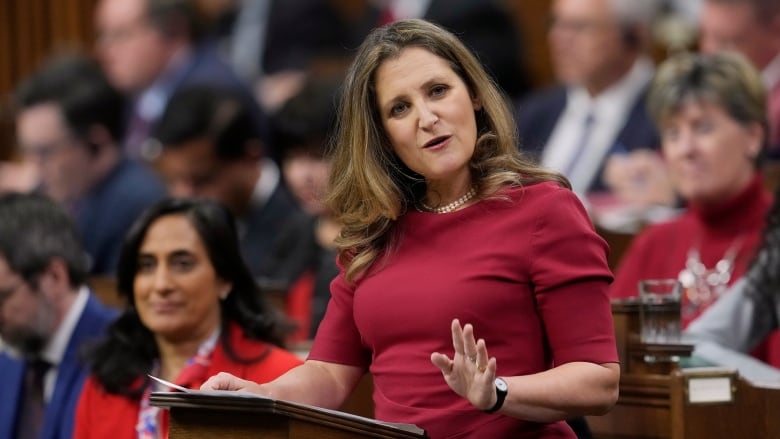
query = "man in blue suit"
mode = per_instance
[
  {"x": 598, "y": 110},
  {"x": 47, "y": 316},
  {"x": 151, "y": 48},
  {"x": 69, "y": 125}
]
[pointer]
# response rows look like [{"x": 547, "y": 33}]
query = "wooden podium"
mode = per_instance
[
  {"x": 665, "y": 401},
  {"x": 235, "y": 416}
]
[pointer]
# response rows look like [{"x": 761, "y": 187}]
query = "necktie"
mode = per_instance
[
  {"x": 587, "y": 128},
  {"x": 31, "y": 419},
  {"x": 138, "y": 130}
]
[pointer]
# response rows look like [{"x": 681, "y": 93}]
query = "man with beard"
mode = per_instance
[{"x": 47, "y": 315}]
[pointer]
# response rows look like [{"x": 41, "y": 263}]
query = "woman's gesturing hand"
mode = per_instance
[{"x": 471, "y": 372}]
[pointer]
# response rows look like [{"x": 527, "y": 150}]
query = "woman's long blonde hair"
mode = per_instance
[{"x": 369, "y": 186}]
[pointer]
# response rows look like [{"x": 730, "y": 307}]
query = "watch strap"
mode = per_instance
[{"x": 500, "y": 397}]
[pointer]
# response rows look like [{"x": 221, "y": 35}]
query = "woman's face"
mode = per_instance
[
  {"x": 710, "y": 155},
  {"x": 176, "y": 289},
  {"x": 428, "y": 114}
]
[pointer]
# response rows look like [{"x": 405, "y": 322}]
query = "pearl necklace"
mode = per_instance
[{"x": 452, "y": 206}]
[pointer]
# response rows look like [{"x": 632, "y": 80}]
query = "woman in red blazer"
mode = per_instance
[{"x": 194, "y": 310}]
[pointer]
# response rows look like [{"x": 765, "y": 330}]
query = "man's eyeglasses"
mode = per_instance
[
  {"x": 7, "y": 292},
  {"x": 577, "y": 26},
  {"x": 45, "y": 151}
]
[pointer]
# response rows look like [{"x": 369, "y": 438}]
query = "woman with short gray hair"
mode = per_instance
[{"x": 711, "y": 113}]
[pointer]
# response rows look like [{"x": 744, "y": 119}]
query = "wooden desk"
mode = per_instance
[
  {"x": 752, "y": 412},
  {"x": 672, "y": 403},
  {"x": 618, "y": 242},
  {"x": 660, "y": 406}
]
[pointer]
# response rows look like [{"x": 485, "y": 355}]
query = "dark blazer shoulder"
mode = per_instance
[
  {"x": 639, "y": 130},
  {"x": 536, "y": 117},
  {"x": 11, "y": 379},
  {"x": 487, "y": 28}
]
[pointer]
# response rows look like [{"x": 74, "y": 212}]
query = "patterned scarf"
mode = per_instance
[{"x": 149, "y": 420}]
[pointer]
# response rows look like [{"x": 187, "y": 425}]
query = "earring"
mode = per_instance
[{"x": 223, "y": 295}]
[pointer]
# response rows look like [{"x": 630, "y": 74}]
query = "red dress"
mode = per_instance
[
  {"x": 106, "y": 415},
  {"x": 527, "y": 270}
]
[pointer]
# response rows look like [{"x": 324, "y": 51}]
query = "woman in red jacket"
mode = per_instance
[{"x": 194, "y": 310}]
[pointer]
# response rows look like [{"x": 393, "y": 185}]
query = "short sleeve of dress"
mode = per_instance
[
  {"x": 338, "y": 339},
  {"x": 571, "y": 278}
]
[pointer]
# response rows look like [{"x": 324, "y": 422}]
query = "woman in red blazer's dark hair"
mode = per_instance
[{"x": 193, "y": 310}]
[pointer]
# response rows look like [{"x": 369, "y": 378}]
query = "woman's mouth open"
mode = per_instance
[{"x": 437, "y": 142}]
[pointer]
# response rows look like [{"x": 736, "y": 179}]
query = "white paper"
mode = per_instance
[
  {"x": 170, "y": 384},
  {"x": 237, "y": 393}
]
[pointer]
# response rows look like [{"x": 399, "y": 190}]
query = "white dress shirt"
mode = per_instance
[
  {"x": 771, "y": 73},
  {"x": 54, "y": 351},
  {"x": 610, "y": 111}
]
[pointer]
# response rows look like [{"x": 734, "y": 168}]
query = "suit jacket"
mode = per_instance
[
  {"x": 72, "y": 372},
  {"x": 278, "y": 222},
  {"x": 107, "y": 415},
  {"x": 105, "y": 215},
  {"x": 203, "y": 66},
  {"x": 486, "y": 27},
  {"x": 328, "y": 35},
  {"x": 538, "y": 115}
]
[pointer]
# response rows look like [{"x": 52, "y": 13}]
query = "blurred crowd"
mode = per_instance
[{"x": 235, "y": 100}]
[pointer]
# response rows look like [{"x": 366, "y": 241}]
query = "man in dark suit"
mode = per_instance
[
  {"x": 69, "y": 125},
  {"x": 598, "y": 110},
  {"x": 151, "y": 48},
  {"x": 212, "y": 148},
  {"x": 47, "y": 316},
  {"x": 485, "y": 26}
]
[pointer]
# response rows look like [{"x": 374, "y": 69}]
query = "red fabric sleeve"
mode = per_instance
[
  {"x": 338, "y": 339},
  {"x": 298, "y": 306},
  {"x": 100, "y": 414},
  {"x": 277, "y": 363},
  {"x": 571, "y": 278},
  {"x": 82, "y": 422},
  {"x": 274, "y": 363}
]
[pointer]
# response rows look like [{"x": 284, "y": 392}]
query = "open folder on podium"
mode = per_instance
[{"x": 226, "y": 414}]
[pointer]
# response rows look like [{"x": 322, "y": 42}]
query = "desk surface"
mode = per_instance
[{"x": 242, "y": 403}]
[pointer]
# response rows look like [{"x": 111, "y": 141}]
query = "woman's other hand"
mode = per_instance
[{"x": 226, "y": 381}]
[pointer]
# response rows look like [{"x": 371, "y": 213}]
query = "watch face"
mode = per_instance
[{"x": 501, "y": 385}]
